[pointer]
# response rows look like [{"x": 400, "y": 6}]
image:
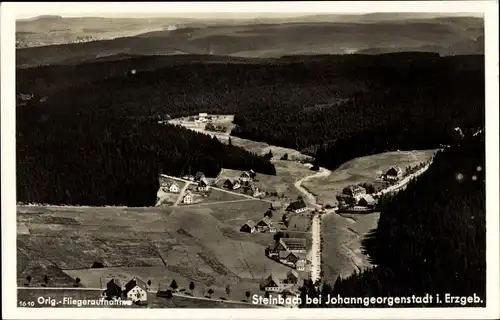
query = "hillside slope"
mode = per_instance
[{"x": 447, "y": 36}]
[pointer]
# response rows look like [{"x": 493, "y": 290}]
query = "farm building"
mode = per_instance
[
  {"x": 248, "y": 227},
  {"x": 271, "y": 283},
  {"x": 203, "y": 185},
  {"x": 113, "y": 290},
  {"x": 394, "y": 174},
  {"x": 199, "y": 175},
  {"x": 228, "y": 184},
  {"x": 297, "y": 206},
  {"x": 292, "y": 277},
  {"x": 245, "y": 176},
  {"x": 367, "y": 201},
  {"x": 293, "y": 244},
  {"x": 265, "y": 224},
  {"x": 137, "y": 291},
  {"x": 355, "y": 192},
  {"x": 188, "y": 197},
  {"x": 292, "y": 258}
]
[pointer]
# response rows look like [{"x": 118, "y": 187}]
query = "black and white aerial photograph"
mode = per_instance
[{"x": 263, "y": 160}]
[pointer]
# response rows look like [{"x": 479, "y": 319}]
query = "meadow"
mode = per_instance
[
  {"x": 201, "y": 244},
  {"x": 361, "y": 170}
]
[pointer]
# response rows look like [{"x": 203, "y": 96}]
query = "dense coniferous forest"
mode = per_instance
[
  {"x": 431, "y": 237},
  {"x": 84, "y": 160},
  {"x": 334, "y": 107}
]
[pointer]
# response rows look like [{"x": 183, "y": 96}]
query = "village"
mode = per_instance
[{"x": 292, "y": 220}]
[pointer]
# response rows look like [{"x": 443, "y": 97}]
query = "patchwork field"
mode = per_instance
[
  {"x": 361, "y": 170},
  {"x": 200, "y": 244}
]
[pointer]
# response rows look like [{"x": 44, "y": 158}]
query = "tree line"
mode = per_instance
[{"x": 85, "y": 160}]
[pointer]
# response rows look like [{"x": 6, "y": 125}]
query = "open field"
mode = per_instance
[
  {"x": 342, "y": 236},
  {"x": 287, "y": 172},
  {"x": 200, "y": 244},
  {"x": 361, "y": 170}
]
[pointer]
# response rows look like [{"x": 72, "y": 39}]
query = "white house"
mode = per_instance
[
  {"x": 188, "y": 198},
  {"x": 174, "y": 187},
  {"x": 137, "y": 291}
]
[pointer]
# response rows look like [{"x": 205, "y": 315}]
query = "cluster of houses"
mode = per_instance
[
  {"x": 203, "y": 185},
  {"x": 276, "y": 285},
  {"x": 289, "y": 251},
  {"x": 244, "y": 181},
  {"x": 135, "y": 290},
  {"x": 264, "y": 225}
]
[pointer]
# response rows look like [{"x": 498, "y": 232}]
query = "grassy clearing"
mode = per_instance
[
  {"x": 342, "y": 236},
  {"x": 361, "y": 170}
]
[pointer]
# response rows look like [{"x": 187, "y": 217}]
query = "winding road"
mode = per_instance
[{"x": 315, "y": 254}]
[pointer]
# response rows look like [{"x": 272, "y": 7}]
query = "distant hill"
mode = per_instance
[{"x": 265, "y": 38}]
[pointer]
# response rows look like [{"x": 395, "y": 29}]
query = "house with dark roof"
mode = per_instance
[
  {"x": 271, "y": 284},
  {"x": 203, "y": 185},
  {"x": 297, "y": 206},
  {"x": 245, "y": 176},
  {"x": 292, "y": 277},
  {"x": 248, "y": 227},
  {"x": 292, "y": 258},
  {"x": 228, "y": 184},
  {"x": 367, "y": 201},
  {"x": 394, "y": 174},
  {"x": 113, "y": 290},
  {"x": 265, "y": 224},
  {"x": 136, "y": 291}
]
